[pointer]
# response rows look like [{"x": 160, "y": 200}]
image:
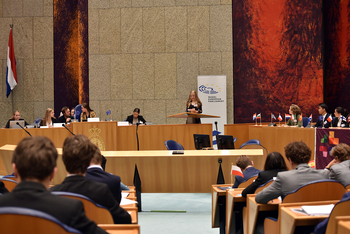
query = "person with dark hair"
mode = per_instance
[
  {"x": 325, "y": 119},
  {"x": 193, "y": 105},
  {"x": 34, "y": 166},
  {"x": 340, "y": 119},
  {"x": 274, "y": 163},
  {"x": 16, "y": 116},
  {"x": 77, "y": 153},
  {"x": 298, "y": 154},
  {"x": 65, "y": 117},
  {"x": 86, "y": 112},
  {"x": 248, "y": 169},
  {"x": 296, "y": 119},
  {"x": 135, "y": 118},
  {"x": 340, "y": 166}
]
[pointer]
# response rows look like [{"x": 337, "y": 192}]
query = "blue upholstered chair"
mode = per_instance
[
  {"x": 250, "y": 142},
  {"x": 305, "y": 121},
  {"x": 10, "y": 184},
  {"x": 173, "y": 145}
]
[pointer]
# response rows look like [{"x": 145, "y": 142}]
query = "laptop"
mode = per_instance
[{"x": 14, "y": 125}]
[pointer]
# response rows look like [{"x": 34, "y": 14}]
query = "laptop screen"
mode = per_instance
[{"x": 14, "y": 125}]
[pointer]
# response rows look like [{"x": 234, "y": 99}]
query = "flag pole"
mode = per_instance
[
  {"x": 11, "y": 28},
  {"x": 260, "y": 118}
]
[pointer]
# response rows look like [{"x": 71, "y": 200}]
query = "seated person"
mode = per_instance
[
  {"x": 49, "y": 118},
  {"x": 96, "y": 173},
  {"x": 34, "y": 165},
  {"x": 65, "y": 117},
  {"x": 86, "y": 112},
  {"x": 77, "y": 153},
  {"x": 274, "y": 163},
  {"x": 16, "y": 116},
  {"x": 248, "y": 169},
  {"x": 340, "y": 166},
  {"x": 323, "y": 120},
  {"x": 298, "y": 154},
  {"x": 339, "y": 120},
  {"x": 296, "y": 119},
  {"x": 136, "y": 117}
]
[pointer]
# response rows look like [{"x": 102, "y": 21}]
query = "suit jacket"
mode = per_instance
[
  {"x": 298, "y": 122},
  {"x": 62, "y": 119},
  {"x": 130, "y": 119},
  {"x": 113, "y": 181},
  {"x": 344, "y": 123},
  {"x": 341, "y": 172},
  {"x": 288, "y": 181},
  {"x": 35, "y": 196},
  {"x": 319, "y": 123},
  {"x": 247, "y": 174},
  {"x": 96, "y": 191},
  {"x": 263, "y": 177},
  {"x": 322, "y": 227}
]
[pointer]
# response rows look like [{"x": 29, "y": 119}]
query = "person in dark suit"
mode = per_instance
[
  {"x": 16, "y": 116},
  {"x": 274, "y": 163},
  {"x": 65, "y": 117},
  {"x": 96, "y": 173},
  {"x": 325, "y": 119},
  {"x": 339, "y": 167},
  {"x": 339, "y": 120},
  {"x": 77, "y": 153},
  {"x": 49, "y": 118},
  {"x": 34, "y": 166},
  {"x": 136, "y": 118},
  {"x": 248, "y": 169},
  {"x": 298, "y": 154}
]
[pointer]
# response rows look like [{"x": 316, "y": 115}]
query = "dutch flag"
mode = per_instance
[{"x": 11, "y": 75}]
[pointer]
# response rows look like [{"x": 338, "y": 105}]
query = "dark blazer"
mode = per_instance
[
  {"x": 43, "y": 122},
  {"x": 319, "y": 123},
  {"x": 35, "y": 196},
  {"x": 8, "y": 123},
  {"x": 344, "y": 123},
  {"x": 113, "y": 181},
  {"x": 263, "y": 177},
  {"x": 131, "y": 117},
  {"x": 62, "y": 119},
  {"x": 96, "y": 191},
  {"x": 247, "y": 174}
]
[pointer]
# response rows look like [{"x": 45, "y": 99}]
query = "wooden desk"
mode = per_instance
[
  {"x": 343, "y": 225},
  {"x": 217, "y": 195},
  {"x": 232, "y": 196},
  {"x": 121, "y": 228}
]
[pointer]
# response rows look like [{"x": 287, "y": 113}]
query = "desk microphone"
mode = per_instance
[
  {"x": 63, "y": 125},
  {"x": 24, "y": 129},
  {"x": 216, "y": 126}
]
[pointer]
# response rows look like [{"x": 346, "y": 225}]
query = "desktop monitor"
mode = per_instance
[
  {"x": 13, "y": 123},
  {"x": 201, "y": 141},
  {"x": 225, "y": 142}
]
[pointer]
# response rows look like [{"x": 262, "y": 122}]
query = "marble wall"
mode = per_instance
[{"x": 142, "y": 53}]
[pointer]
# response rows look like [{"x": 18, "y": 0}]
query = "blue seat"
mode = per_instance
[
  {"x": 251, "y": 142},
  {"x": 173, "y": 145},
  {"x": 305, "y": 121},
  {"x": 24, "y": 220},
  {"x": 77, "y": 112},
  {"x": 37, "y": 121}
]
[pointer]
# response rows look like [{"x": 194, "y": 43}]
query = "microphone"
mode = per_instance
[
  {"x": 63, "y": 125},
  {"x": 216, "y": 126},
  {"x": 24, "y": 129}
]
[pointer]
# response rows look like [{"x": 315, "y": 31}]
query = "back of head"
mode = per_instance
[
  {"x": 274, "y": 160},
  {"x": 298, "y": 152},
  {"x": 295, "y": 109},
  {"x": 340, "y": 110},
  {"x": 323, "y": 106},
  {"x": 243, "y": 162},
  {"x": 77, "y": 153},
  {"x": 342, "y": 151},
  {"x": 97, "y": 159},
  {"x": 35, "y": 158}
]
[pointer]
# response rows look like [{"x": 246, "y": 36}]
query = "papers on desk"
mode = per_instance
[
  {"x": 126, "y": 201},
  {"x": 315, "y": 210},
  {"x": 224, "y": 188},
  {"x": 125, "y": 194}
]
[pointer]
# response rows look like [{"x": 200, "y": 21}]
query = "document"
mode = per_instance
[{"x": 315, "y": 210}]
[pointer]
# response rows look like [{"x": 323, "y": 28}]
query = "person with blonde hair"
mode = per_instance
[
  {"x": 49, "y": 118},
  {"x": 295, "y": 112},
  {"x": 16, "y": 116},
  {"x": 193, "y": 105}
]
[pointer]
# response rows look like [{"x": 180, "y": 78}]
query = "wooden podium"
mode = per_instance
[{"x": 190, "y": 116}]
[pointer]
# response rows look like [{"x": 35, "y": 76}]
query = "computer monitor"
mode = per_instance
[
  {"x": 13, "y": 123},
  {"x": 201, "y": 141},
  {"x": 225, "y": 142}
]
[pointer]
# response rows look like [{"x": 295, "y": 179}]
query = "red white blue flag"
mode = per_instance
[
  {"x": 287, "y": 116},
  {"x": 279, "y": 117},
  {"x": 11, "y": 75}
]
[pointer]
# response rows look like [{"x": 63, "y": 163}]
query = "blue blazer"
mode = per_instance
[{"x": 247, "y": 174}]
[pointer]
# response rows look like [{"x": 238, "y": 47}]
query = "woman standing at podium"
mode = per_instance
[{"x": 193, "y": 105}]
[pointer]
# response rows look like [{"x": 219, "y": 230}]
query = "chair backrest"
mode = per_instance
[
  {"x": 95, "y": 212},
  {"x": 305, "y": 121},
  {"x": 247, "y": 182},
  {"x": 121, "y": 228},
  {"x": 250, "y": 142},
  {"x": 77, "y": 111},
  {"x": 261, "y": 187},
  {"x": 15, "y": 220},
  {"x": 318, "y": 190},
  {"x": 173, "y": 145},
  {"x": 10, "y": 177},
  {"x": 9, "y": 184},
  {"x": 37, "y": 121},
  {"x": 340, "y": 209}
]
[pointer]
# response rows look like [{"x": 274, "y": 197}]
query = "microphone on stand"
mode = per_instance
[
  {"x": 24, "y": 129},
  {"x": 137, "y": 136},
  {"x": 63, "y": 125},
  {"x": 216, "y": 126}
]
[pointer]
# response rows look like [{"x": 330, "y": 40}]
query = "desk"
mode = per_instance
[
  {"x": 232, "y": 196},
  {"x": 343, "y": 226}
]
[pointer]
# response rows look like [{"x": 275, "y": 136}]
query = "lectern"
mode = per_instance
[{"x": 190, "y": 116}]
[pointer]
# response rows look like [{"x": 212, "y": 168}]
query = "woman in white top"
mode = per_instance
[
  {"x": 339, "y": 120},
  {"x": 49, "y": 118}
]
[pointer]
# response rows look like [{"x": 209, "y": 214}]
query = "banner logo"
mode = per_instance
[{"x": 207, "y": 90}]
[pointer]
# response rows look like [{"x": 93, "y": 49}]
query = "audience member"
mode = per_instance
[
  {"x": 340, "y": 119},
  {"x": 34, "y": 165},
  {"x": 193, "y": 105},
  {"x": 248, "y": 169},
  {"x": 49, "y": 118},
  {"x": 77, "y": 153},
  {"x": 298, "y": 154},
  {"x": 274, "y": 163},
  {"x": 65, "y": 117},
  {"x": 296, "y": 119},
  {"x": 340, "y": 166},
  {"x": 16, "y": 116},
  {"x": 86, "y": 112},
  {"x": 325, "y": 119},
  {"x": 136, "y": 118}
]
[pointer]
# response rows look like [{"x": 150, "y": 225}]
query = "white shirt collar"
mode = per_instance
[{"x": 95, "y": 166}]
